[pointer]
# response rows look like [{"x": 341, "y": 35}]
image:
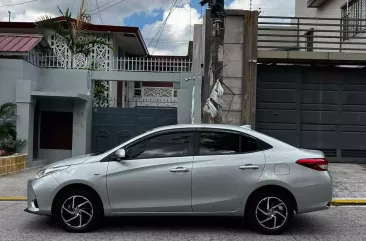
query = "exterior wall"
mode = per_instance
[
  {"x": 233, "y": 72},
  {"x": 61, "y": 80},
  {"x": 302, "y": 10},
  {"x": 233, "y": 62},
  {"x": 330, "y": 9},
  {"x": 10, "y": 71},
  {"x": 19, "y": 78}
]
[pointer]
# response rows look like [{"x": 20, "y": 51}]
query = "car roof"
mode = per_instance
[{"x": 214, "y": 126}]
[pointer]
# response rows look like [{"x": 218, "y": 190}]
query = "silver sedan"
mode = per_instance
[{"x": 218, "y": 170}]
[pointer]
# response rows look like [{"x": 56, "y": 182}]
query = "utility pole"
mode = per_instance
[{"x": 217, "y": 8}]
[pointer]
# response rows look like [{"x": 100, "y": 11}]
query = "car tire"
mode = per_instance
[
  {"x": 77, "y": 211},
  {"x": 270, "y": 212}
]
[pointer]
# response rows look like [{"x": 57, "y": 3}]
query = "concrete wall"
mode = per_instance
[
  {"x": 60, "y": 80},
  {"x": 302, "y": 10},
  {"x": 12, "y": 70},
  {"x": 233, "y": 72}
]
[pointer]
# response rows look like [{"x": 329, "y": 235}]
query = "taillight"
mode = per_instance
[{"x": 318, "y": 164}]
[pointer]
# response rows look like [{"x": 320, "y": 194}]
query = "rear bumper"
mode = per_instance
[{"x": 315, "y": 194}]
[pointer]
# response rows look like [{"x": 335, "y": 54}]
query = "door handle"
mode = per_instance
[
  {"x": 179, "y": 169},
  {"x": 249, "y": 167}
]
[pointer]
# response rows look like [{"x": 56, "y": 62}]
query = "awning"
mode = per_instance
[{"x": 18, "y": 43}]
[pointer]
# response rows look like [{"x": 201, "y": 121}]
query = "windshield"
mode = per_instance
[{"x": 125, "y": 141}]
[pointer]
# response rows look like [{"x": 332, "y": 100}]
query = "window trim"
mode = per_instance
[
  {"x": 240, "y": 134},
  {"x": 159, "y": 133}
]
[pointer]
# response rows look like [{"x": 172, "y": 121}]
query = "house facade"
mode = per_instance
[
  {"x": 345, "y": 21},
  {"x": 306, "y": 89},
  {"x": 58, "y": 113}
]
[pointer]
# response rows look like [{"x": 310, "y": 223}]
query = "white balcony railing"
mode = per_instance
[{"x": 115, "y": 64}]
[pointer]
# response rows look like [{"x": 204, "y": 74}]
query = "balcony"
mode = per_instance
[
  {"x": 315, "y": 3},
  {"x": 133, "y": 64},
  {"x": 337, "y": 40}
]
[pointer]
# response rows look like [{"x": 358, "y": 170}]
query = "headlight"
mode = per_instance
[{"x": 47, "y": 171}]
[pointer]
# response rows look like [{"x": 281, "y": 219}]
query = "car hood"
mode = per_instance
[{"x": 69, "y": 161}]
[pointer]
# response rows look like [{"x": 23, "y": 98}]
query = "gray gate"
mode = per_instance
[
  {"x": 315, "y": 108},
  {"x": 113, "y": 126}
]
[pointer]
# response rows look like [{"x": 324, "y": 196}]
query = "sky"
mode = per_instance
[{"x": 148, "y": 15}]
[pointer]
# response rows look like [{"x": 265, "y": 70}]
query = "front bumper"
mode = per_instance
[
  {"x": 30, "y": 211},
  {"x": 40, "y": 194}
]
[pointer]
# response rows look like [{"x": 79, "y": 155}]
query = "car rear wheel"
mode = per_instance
[
  {"x": 78, "y": 210},
  {"x": 270, "y": 212}
]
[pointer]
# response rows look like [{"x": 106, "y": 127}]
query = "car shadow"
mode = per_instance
[{"x": 302, "y": 224}]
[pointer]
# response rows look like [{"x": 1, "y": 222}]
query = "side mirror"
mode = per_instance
[{"x": 120, "y": 154}]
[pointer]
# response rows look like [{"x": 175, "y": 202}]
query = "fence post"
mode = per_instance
[
  {"x": 340, "y": 35},
  {"x": 298, "y": 33}
]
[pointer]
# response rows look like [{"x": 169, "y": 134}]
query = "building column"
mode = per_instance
[
  {"x": 25, "y": 116},
  {"x": 81, "y": 133}
]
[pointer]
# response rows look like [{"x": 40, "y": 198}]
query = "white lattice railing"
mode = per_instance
[
  {"x": 118, "y": 64},
  {"x": 155, "y": 96},
  {"x": 157, "y": 92}
]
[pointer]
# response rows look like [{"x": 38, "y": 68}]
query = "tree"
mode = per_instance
[
  {"x": 71, "y": 31},
  {"x": 8, "y": 142}
]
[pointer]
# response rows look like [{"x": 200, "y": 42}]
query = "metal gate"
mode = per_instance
[
  {"x": 315, "y": 108},
  {"x": 113, "y": 126}
]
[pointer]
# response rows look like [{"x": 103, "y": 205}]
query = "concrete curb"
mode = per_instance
[
  {"x": 335, "y": 202},
  {"x": 13, "y": 198},
  {"x": 349, "y": 201}
]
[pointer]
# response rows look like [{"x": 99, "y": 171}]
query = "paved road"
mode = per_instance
[{"x": 338, "y": 223}]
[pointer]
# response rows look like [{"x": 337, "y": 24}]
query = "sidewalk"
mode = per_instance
[
  {"x": 349, "y": 182},
  {"x": 15, "y": 185}
]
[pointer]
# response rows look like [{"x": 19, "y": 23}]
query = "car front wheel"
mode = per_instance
[
  {"x": 77, "y": 211},
  {"x": 270, "y": 213}
]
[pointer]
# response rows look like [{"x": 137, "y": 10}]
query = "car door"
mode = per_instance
[
  {"x": 155, "y": 176},
  {"x": 226, "y": 165}
]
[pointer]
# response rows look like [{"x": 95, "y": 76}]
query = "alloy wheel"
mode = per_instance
[
  {"x": 271, "y": 213},
  {"x": 77, "y": 211}
]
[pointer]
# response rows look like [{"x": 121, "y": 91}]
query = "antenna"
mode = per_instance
[{"x": 250, "y": 8}]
